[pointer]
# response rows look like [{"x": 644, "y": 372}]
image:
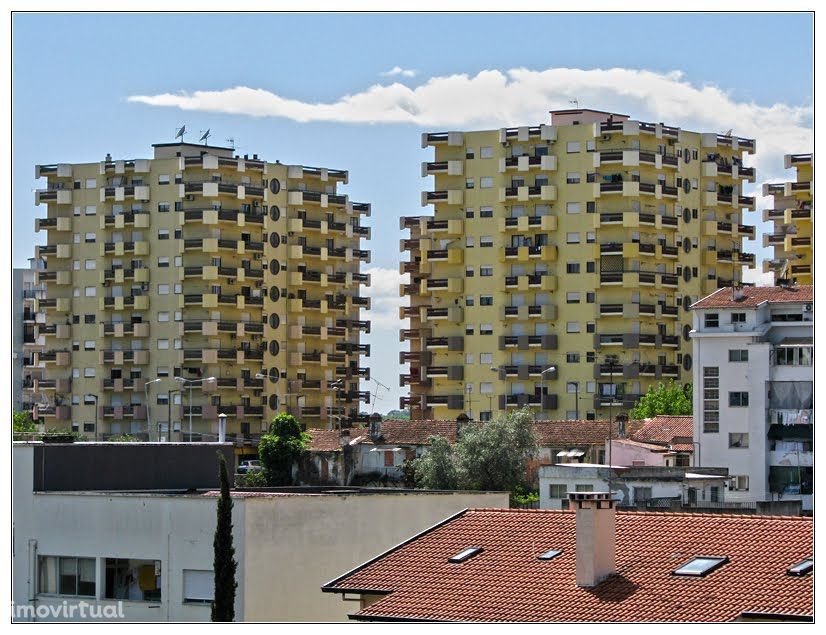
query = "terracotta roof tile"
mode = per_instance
[
  {"x": 324, "y": 440},
  {"x": 582, "y": 432},
  {"x": 753, "y": 296},
  {"x": 506, "y": 582},
  {"x": 673, "y": 430}
]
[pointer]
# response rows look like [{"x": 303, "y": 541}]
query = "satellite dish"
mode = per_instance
[
  {"x": 204, "y": 137},
  {"x": 180, "y": 133}
]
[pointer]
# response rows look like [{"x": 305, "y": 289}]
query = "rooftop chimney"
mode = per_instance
[{"x": 596, "y": 557}]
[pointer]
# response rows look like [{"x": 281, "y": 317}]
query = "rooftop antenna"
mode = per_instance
[
  {"x": 179, "y": 134},
  {"x": 575, "y": 102},
  {"x": 376, "y": 391},
  {"x": 204, "y": 137},
  {"x": 728, "y": 132},
  {"x": 231, "y": 142}
]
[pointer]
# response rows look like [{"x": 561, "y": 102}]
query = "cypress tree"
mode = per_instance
[{"x": 224, "y": 565}]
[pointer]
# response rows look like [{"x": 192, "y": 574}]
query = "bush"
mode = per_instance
[{"x": 254, "y": 478}]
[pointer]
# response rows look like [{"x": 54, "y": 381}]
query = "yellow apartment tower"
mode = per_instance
[
  {"x": 792, "y": 215},
  {"x": 560, "y": 262},
  {"x": 194, "y": 284}
]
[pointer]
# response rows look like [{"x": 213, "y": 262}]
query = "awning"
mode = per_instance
[
  {"x": 571, "y": 453},
  {"x": 385, "y": 449},
  {"x": 795, "y": 431},
  {"x": 795, "y": 342}
]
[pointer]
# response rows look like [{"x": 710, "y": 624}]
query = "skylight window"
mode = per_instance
[
  {"x": 701, "y": 566},
  {"x": 549, "y": 555},
  {"x": 802, "y": 568},
  {"x": 465, "y": 554}
]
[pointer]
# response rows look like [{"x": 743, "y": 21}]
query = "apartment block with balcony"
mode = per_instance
[
  {"x": 753, "y": 390},
  {"x": 26, "y": 342},
  {"x": 792, "y": 214},
  {"x": 577, "y": 246},
  {"x": 239, "y": 275}
]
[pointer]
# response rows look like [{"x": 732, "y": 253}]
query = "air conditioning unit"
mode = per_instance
[{"x": 808, "y": 307}]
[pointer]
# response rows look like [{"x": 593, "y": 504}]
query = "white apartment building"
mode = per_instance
[{"x": 753, "y": 390}]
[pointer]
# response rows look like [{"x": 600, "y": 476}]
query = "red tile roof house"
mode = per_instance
[
  {"x": 591, "y": 564},
  {"x": 662, "y": 440}
]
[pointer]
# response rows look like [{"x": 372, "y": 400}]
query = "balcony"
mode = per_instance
[
  {"x": 540, "y": 280},
  {"x": 119, "y": 357},
  {"x": 119, "y": 385},
  {"x": 138, "y": 220},
  {"x": 523, "y": 224},
  {"x": 210, "y": 216},
  {"x": 544, "y": 402},
  {"x": 56, "y": 193},
  {"x": 454, "y": 343},
  {"x": 121, "y": 193},
  {"x": 525, "y": 253},
  {"x": 120, "y": 412},
  {"x": 418, "y": 358},
  {"x": 124, "y": 329},
  {"x": 527, "y": 193},
  {"x": 353, "y": 371},
  {"x": 211, "y": 189},
  {"x": 526, "y": 371},
  {"x": 119, "y": 303},
  {"x": 526, "y": 342},
  {"x": 529, "y": 312},
  {"x": 120, "y": 275},
  {"x": 453, "y": 373},
  {"x": 526, "y": 163},
  {"x": 58, "y": 358},
  {"x": 137, "y": 248}
]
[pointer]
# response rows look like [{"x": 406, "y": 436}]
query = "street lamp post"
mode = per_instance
[
  {"x": 148, "y": 417},
  {"x": 190, "y": 383},
  {"x": 333, "y": 387},
  {"x": 549, "y": 369},
  {"x": 96, "y": 415},
  {"x": 169, "y": 425}
]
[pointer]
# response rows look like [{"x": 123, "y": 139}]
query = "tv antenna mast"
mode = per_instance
[
  {"x": 575, "y": 102},
  {"x": 205, "y": 136},
  {"x": 231, "y": 142},
  {"x": 376, "y": 390},
  {"x": 180, "y": 132}
]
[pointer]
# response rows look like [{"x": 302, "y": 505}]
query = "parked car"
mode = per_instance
[{"x": 249, "y": 466}]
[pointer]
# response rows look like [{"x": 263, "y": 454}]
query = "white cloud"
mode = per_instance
[
  {"x": 398, "y": 70},
  {"x": 385, "y": 300},
  {"x": 494, "y": 98},
  {"x": 758, "y": 277}
]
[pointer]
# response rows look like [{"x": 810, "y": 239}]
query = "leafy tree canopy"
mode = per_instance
[
  {"x": 279, "y": 449},
  {"x": 664, "y": 400},
  {"x": 22, "y": 421}
]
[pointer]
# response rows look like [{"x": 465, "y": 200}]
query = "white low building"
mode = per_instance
[
  {"x": 754, "y": 390},
  {"x": 665, "y": 487},
  {"x": 151, "y": 552}
]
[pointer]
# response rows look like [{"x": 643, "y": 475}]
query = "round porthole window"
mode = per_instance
[
  {"x": 274, "y": 375},
  {"x": 274, "y": 348},
  {"x": 275, "y": 186},
  {"x": 686, "y": 185},
  {"x": 687, "y": 274},
  {"x": 687, "y": 245},
  {"x": 275, "y": 321},
  {"x": 275, "y": 239},
  {"x": 275, "y": 267},
  {"x": 686, "y": 331},
  {"x": 275, "y": 294},
  {"x": 273, "y": 402},
  {"x": 275, "y": 213},
  {"x": 686, "y": 362},
  {"x": 686, "y": 215},
  {"x": 687, "y": 156},
  {"x": 686, "y": 302}
]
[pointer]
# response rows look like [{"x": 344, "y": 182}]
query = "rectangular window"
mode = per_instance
[
  {"x": 163, "y": 289},
  {"x": 468, "y": 242},
  {"x": 199, "y": 586},
  {"x": 590, "y": 327},
  {"x": 89, "y": 345},
  {"x": 572, "y": 327},
  {"x": 572, "y": 297},
  {"x": 738, "y": 317},
  {"x": 90, "y": 264},
  {"x": 89, "y": 372},
  {"x": 486, "y": 388},
  {"x": 469, "y": 358},
  {"x": 485, "y": 358},
  {"x": 486, "y": 182},
  {"x": 469, "y": 300},
  {"x": 90, "y": 292},
  {"x": 163, "y": 261},
  {"x": 91, "y": 184},
  {"x": 163, "y": 179},
  {"x": 163, "y": 316},
  {"x": 90, "y": 237},
  {"x": 469, "y": 329},
  {"x": 572, "y": 208},
  {"x": 89, "y": 318},
  {"x": 738, "y": 439},
  {"x": 711, "y": 399},
  {"x": 469, "y": 183},
  {"x": 572, "y": 238},
  {"x": 590, "y": 146},
  {"x": 486, "y": 241},
  {"x": 485, "y": 300},
  {"x": 590, "y": 266},
  {"x": 468, "y": 272},
  {"x": 90, "y": 210},
  {"x": 572, "y": 178},
  {"x": 712, "y": 320},
  {"x": 469, "y": 212},
  {"x": 572, "y": 267},
  {"x": 558, "y": 491},
  {"x": 572, "y": 358},
  {"x": 133, "y": 579},
  {"x": 163, "y": 345},
  {"x": 486, "y": 152},
  {"x": 163, "y": 234},
  {"x": 485, "y": 212},
  {"x": 486, "y": 329},
  {"x": 738, "y": 399},
  {"x": 590, "y": 238},
  {"x": 60, "y": 575},
  {"x": 572, "y": 146},
  {"x": 486, "y": 271},
  {"x": 590, "y": 207},
  {"x": 738, "y": 355},
  {"x": 163, "y": 371}
]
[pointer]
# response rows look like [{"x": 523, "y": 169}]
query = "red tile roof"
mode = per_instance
[
  {"x": 416, "y": 432},
  {"x": 582, "y": 432},
  {"x": 673, "y": 430},
  {"x": 325, "y": 440},
  {"x": 506, "y": 582},
  {"x": 753, "y": 296}
]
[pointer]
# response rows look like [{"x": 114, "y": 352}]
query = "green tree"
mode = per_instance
[
  {"x": 279, "y": 449},
  {"x": 663, "y": 400},
  {"x": 22, "y": 421},
  {"x": 491, "y": 456},
  {"x": 436, "y": 469},
  {"x": 224, "y": 565},
  {"x": 487, "y": 456}
]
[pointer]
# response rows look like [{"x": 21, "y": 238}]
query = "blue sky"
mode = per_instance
[{"x": 73, "y": 75}]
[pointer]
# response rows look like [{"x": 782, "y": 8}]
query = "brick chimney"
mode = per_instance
[{"x": 596, "y": 557}]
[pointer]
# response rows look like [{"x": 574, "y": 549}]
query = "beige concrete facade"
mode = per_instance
[
  {"x": 792, "y": 214},
  {"x": 200, "y": 263},
  {"x": 577, "y": 245}
]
